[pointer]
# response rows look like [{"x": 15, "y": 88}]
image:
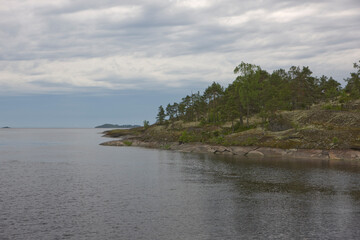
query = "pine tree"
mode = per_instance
[{"x": 161, "y": 115}]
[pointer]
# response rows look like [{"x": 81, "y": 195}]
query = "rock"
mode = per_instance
[
  {"x": 220, "y": 149},
  {"x": 272, "y": 152},
  {"x": 279, "y": 123},
  {"x": 355, "y": 147},
  {"x": 241, "y": 151},
  {"x": 333, "y": 156},
  {"x": 249, "y": 152},
  {"x": 113, "y": 143},
  {"x": 255, "y": 154}
]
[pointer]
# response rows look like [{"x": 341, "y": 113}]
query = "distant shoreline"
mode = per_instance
[{"x": 108, "y": 125}]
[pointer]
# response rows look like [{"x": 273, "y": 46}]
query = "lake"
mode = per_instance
[{"x": 60, "y": 184}]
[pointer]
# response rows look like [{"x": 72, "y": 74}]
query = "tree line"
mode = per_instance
[{"x": 255, "y": 91}]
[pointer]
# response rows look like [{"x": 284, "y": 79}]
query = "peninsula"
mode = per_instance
[{"x": 284, "y": 114}]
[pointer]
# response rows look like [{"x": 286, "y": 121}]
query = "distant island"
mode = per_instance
[
  {"x": 108, "y": 125},
  {"x": 6, "y": 127}
]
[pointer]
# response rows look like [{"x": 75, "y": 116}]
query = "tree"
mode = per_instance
[
  {"x": 303, "y": 87},
  {"x": 171, "y": 111},
  {"x": 353, "y": 83},
  {"x": 161, "y": 115},
  {"x": 329, "y": 88},
  {"x": 231, "y": 106},
  {"x": 212, "y": 95},
  {"x": 146, "y": 124},
  {"x": 248, "y": 84}
]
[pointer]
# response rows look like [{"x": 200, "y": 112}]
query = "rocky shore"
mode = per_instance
[
  {"x": 314, "y": 134},
  {"x": 245, "y": 151}
]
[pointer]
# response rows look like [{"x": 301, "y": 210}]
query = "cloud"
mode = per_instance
[{"x": 67, "y": 46}]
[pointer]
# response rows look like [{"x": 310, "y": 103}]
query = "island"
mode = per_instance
[
  {"x": 288, "y": 115},
  {"x": 108, "y": 125}
]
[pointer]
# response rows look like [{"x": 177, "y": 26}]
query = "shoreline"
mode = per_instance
[{"x": 250, "y": 152}]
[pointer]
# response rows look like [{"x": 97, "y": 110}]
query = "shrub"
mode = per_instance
[
  {"x": 146, "y": 124},
  {"x": 166, "y": 147},
  {"x": 238, "y": 127},
  {"x": 250, "y": 141},
  {"x": 186, "y": 137},
  {"x": 333, "y": 107},
  {"x": 127, "y": 143}
]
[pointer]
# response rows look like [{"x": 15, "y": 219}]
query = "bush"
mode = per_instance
[
  {"x": 333, "y": 107},
  {"x": 166, "y": 147},
  {"x": 238, "y": 127},
  {"x": 186, "y": 137},
  {"x": 127, "y": 143},
  {"x": 146, "y": 124},
  {"x": 219, "y": 140}
]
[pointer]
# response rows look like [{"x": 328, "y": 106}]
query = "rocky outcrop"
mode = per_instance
[{"x": 248, "y": 152}]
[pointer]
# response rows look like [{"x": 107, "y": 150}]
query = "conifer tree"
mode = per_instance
[{"x": 161, "y": 115}]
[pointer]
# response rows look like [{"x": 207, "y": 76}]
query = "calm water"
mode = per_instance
[{"x": 60, "y": 184}]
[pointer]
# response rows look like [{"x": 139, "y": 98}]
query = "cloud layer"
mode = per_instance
[{"x": 63, "y": 45}]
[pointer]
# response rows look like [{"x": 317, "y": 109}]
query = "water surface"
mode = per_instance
[{"x": 60, "y": 184}]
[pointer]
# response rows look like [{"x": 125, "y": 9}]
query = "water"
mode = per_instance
[{"x": 60, "y": 184}]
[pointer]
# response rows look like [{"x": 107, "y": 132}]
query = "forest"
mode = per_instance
[{"x": 256, "y": 91}]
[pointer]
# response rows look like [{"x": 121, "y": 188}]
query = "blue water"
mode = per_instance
[{"x": 60, "y": 184}]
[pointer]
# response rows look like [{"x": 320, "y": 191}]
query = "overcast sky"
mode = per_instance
[{"x": 60, "y": 57}]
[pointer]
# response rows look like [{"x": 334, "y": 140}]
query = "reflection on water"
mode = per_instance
[{"x": 59, "y": 184}]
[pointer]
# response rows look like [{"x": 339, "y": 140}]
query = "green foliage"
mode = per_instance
[
  {"x": 255, "y": 91},
  {"x": 146, "y": 124},
  {"x": 186, "y": 137},
  {"x": 127, "y": 143},
  {"x": 219, "y": 140},
  {"x": 238, "y": 127},
  {"x": 353, "y": 83},
  {"x": 336, "y": 107},
  {"x": 250, "y": 141},
  {"x": 166, "y": 147},
  {"x": 335, "y": 140},
  {"x": 203, "y": 122},
  {"x": 161, "y": 115}
]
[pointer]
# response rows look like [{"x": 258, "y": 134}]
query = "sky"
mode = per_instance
[{"x": 82, "y": 63}]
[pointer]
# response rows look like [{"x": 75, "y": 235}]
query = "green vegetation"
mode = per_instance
[
  {"x": 283, "y": 109},
  {"x": 186, "y": 137},
  {"x": 255, "y": 92},
  {"x": 127, "y": 143},
  {"x": 161, "y": 115},
  {"x": 146, "y": 124}
]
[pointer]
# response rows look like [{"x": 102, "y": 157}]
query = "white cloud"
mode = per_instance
[
  {"x": 194, "y": 3},
  {"x": 113, "y": 14},
  {"x": 89, "y": 45},
  {"x": 296, "y": 13}
]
